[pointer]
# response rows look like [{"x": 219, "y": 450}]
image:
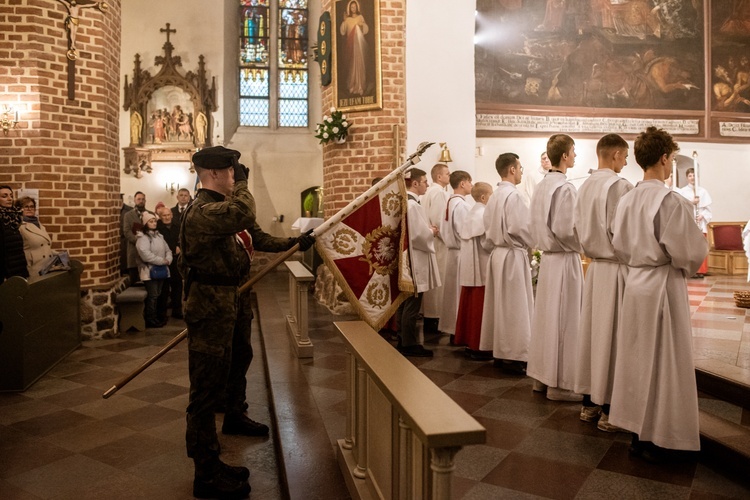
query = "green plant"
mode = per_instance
[
  {"x": 536, "y": 261},
  {"x": 334, "y": 127}
]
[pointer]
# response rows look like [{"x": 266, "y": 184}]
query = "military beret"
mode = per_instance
[{"x": 216, "y": 158}]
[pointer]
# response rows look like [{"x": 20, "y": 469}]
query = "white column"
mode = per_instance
[
  {"x": 442, "y": 466},
  {"x": 350, "y": 399},
  {"x": 405, "y": 478},
  {"x": 361, "y": 440}
]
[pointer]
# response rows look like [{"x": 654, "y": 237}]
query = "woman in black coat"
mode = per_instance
[{"x": 12, "y": 257}]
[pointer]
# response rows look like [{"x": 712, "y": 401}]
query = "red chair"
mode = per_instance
[{"x": 726, "y": 254}]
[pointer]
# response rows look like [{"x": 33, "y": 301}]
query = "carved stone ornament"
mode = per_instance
[{"x": 170, "y": 113}]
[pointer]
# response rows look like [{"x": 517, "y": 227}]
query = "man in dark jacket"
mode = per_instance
[{"x": 171, "y": 293}]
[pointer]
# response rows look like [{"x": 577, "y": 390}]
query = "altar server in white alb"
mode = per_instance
[
  {"x": 557, "y": 311},
  {"x": 453, "y": 218},
  {"x": 654, "y": 392},
  {"x": 605, "y": 280},
  {"x": 508, "y": 297},
  {"x": 423, "y": 264},
  {"x": 473, "y": 263},
  {"x": 701, "y": 200},
  {"x": 434, "y": 202}
]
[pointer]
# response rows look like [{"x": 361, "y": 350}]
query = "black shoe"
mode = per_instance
[
  {"x": 236, "y": 471},
  {"x": 416, "y": 350},
  {"x": 220, "y": 486},
  {"x": 511, "y": 366},
  {"x": 430, "y": 325},
  {"x": 477, "y": 355},
  {"x": 244, "y": 426},
  {"x": 178, "y": 316},
  {"x": 153, "y": 324}
]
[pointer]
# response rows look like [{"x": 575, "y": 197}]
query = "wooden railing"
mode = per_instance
[
  {"x": 296, "y": 322},
  {"x": 402, "y": 431}
]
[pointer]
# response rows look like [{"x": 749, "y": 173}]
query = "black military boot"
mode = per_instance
[
  {"x": 236, "y": 471},
  {"x": 242, "y": 425},
  {"x": 213, "y": 479}
]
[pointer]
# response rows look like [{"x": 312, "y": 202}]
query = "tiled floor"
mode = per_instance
[{"x": 60, "y": 439}]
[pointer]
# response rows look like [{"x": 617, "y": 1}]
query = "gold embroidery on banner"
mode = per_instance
[
  {"x": 344, "y": 241},
  {"x": 391, "y": 204},
  {"x": 377, "y": 295},
  {"x": 380, "y": 250}
]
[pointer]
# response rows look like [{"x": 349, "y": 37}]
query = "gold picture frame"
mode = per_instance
[{"x": 356, "y": 55}]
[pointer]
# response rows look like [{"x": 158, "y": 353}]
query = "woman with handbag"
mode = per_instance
[{"x": 154, "y": 257}]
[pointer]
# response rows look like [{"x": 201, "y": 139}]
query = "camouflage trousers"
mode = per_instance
[{"x": 219, "y": 356}]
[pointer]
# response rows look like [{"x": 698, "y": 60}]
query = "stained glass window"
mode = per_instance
[{"x": 273, "y": 90}]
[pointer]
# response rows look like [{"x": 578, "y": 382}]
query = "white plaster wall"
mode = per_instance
[
  {"x": 282, "y": 163},
  {"x": 440, "y": 79}
]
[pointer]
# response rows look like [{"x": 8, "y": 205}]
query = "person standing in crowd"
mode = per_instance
[
  {"x": 434, "y": 202},
  {"x": 12, "y": 257},
  {"x": 701, "y": 200},
  {"x": 131, "y": 225},
  {"x": 152, "y": 251},
  {"x": 424, "y": 267},
  {"x": 454, "y": 218},
  {"x": 123, "y": 241},
  {"x": 529, "y": 183},
  {"x": 171, "y": 293},
  {"x": 473, "y": 263},
  {"x": 604, "y": 281},
  {"x": 554, "y": 329},
  {"x": 37, "y": 243},
  {"x": 183, "y": 200},
  {"x": 654, "y": 393},
  {"x": 508, "y": 299}
]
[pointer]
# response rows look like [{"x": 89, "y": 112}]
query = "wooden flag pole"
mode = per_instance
[{"x": 335, "y": 219}]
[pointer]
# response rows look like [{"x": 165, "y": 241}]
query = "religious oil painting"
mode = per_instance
[
  {"x": 356, "y": 55},
  {"x": 730, "y": 56},
  {"x": 612, "y": 54},
  {"x": 171, "y": 118}
]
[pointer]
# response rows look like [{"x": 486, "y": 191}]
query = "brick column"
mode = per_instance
[
  {"x": 349, "y": 168},
  {"x": 67, "y": 149}
]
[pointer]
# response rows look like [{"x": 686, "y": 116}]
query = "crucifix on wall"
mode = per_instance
[{"x": 71, "y": 25}]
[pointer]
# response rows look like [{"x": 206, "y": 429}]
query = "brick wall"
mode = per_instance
[
  {"x": 349, "y": 168},
  {"x": 68, "y": 150}
]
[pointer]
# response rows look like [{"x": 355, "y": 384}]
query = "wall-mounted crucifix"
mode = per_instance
[{"x": 71, "y": 25}]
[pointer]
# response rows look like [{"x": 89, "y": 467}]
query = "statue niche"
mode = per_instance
[{"x": 170, "y": 113}]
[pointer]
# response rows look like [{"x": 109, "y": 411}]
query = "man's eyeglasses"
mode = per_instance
[{"x": 28, "y": 207}]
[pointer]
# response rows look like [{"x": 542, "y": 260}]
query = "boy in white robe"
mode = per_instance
[
  {"x": 424, "y": 267},
  {"x": 604, "y": 281},
  {"x": 654, "y": 391},
  {"x": 473, "y": 263},
  {"x": 434, "y": 202},
  {"x": 508, "y": 299},
  {"x": 701, "y": 200},
  {"x": 454, "y": 217},
  {"x": 557, "y": 309}
]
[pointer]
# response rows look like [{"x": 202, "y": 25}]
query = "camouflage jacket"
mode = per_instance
[{"x": 207, "y": 242}]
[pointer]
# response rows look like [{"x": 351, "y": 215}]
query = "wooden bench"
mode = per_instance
[
  {"x": 726, "y": 254},
  {"x": 40, "y": 324},
  {"x": 130, "y": 304}
]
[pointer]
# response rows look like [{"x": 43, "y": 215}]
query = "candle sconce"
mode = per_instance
[
  {"x": 8, "y": 119},
  {"x": 171, "y": 189}
]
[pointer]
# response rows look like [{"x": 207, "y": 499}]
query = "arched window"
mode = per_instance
[{"x": 273, "y": 57}]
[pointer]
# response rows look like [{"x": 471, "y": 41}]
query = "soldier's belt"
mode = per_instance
[{"x": 215, "y": 279}]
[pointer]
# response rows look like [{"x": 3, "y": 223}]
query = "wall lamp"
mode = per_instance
[{"x": 8, "y": 119}]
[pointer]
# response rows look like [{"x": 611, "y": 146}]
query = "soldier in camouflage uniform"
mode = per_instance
[
  {"x": 235, "y": 420},
  {"x": 210, "y": 261},
  {"x": 214, "y": 264}
]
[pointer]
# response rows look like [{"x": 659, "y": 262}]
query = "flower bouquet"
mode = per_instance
[
  {"x": 536, "y": 261},
  {"x": 334, "y": 128}
]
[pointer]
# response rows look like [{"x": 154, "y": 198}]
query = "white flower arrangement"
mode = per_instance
[{"x": 333, "y": 128}]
